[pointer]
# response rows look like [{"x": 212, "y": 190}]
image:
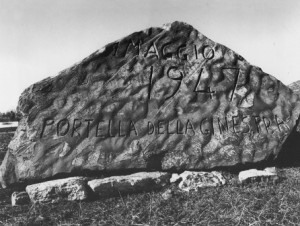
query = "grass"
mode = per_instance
[{"x": 232, "y": 204}]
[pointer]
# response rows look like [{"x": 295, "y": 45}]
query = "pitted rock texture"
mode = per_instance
[
  {"x": 163, "y": 98},
  {"x": 192, "y": 181},
  {"x": 134, "y": 183},
  {"x": 295, "y": 86},
  {"x": 73, "y": 188}
]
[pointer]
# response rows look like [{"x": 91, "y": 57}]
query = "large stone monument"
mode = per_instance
[{"x": 160, "y": 99}]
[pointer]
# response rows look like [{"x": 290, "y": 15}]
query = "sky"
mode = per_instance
[{"x": 39, "y": 38}]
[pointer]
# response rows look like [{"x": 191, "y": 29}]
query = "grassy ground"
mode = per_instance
[{"x": 232, "y": 204}]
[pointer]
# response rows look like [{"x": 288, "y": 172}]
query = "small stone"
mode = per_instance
[
  {"x": 195, "y": 180},
  {"x": 134, "y": 183},
  {"x": 175, "y": 177},
  {"x": 271, "y": 170},
  {"x": 39, "y": 219},
  {"x": 253, "y": 175},
  {"x": 73, "y": 188},
  {"x": 20, "y": 198},
  {"x": 167, "y": 194}
]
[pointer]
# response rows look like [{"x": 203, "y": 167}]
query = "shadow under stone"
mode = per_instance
[{"x": 289, "y": 156}]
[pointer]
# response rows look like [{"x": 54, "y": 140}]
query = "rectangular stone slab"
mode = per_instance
[
  {"x": 133, "y": 183},
  {"x": 72, "y": 188},
  {"x": 160, "y": 99}
]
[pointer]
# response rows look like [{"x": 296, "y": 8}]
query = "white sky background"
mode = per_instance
[{"x": 39, "y": 38}]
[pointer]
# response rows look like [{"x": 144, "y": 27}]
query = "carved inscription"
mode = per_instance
[
  {"x": 207, "y": 53},
  {"x": 175, "y": 74},
  {"x": 208, "y": 126},
  {"x": 203, "y": 90}
]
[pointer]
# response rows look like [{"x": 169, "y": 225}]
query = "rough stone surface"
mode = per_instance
[
  {"x": 19, "y": 198},
  {"x": 73, "y": 188},
  {"x": 252, "y": 174},
  {"x": 138, "y": 182},
  {"x": 194, "y": 180},
  {"x": 295, "y": 86},
  {"x": 163, "y": 98}
]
